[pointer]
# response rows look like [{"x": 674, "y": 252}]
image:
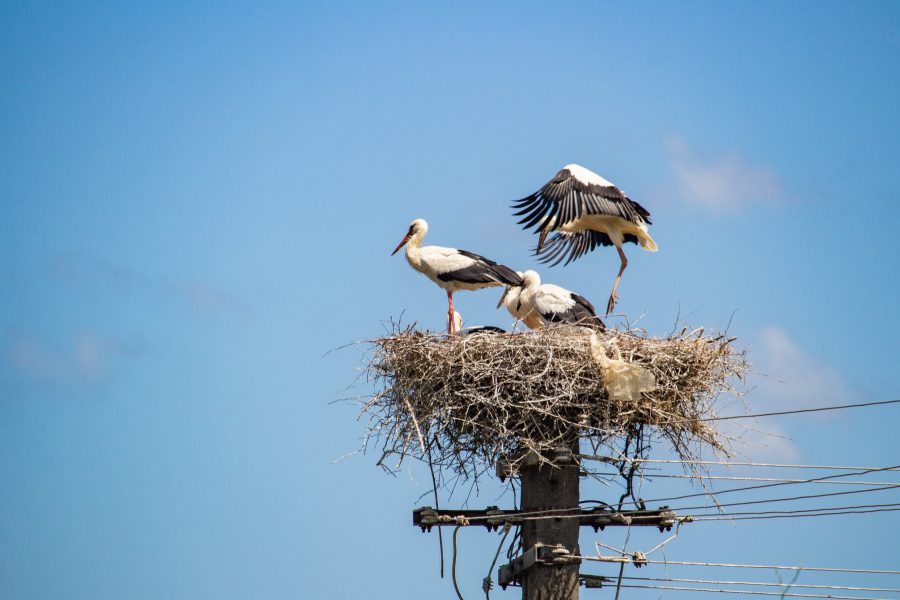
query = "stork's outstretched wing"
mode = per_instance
[{"x": 573, "y": 193}]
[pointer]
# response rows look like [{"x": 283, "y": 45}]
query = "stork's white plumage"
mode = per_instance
[
  {"x": 547, "y": 304},
  {"x": 452, "y": 269},
  {"x": 584, "y": 210}
]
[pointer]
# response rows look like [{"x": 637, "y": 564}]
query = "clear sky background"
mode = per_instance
[{"x": 197, "y": 202}]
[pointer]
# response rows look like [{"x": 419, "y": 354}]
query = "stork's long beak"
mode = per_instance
[
  {"x": 503, "y": 297},
  {"x": 403, "y": 241}
]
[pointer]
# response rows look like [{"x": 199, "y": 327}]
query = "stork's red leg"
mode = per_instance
[
  {"x": 451, "y": 322},
  {"x": 612, "y": 297},
  {"x": 541, "y": 238}
]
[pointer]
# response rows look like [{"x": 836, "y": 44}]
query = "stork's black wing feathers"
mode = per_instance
[
  {"x": 584, "y": 303},
  {"x": 483, "y": 271},
  {"x": 565, "y": 197},
  {"x": 481, "y": 329},
  {"x": 570, "y": 246},
  {"x": 582, "y": 312}
]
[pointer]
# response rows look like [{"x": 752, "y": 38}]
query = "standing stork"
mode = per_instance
[
  {"x": 549, "y": 304},
  {"x": 452, "y": 269},
  {"x": 584, "y": 210}
]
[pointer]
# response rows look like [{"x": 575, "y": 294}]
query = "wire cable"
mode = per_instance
[
  {"x": 764, "y": 584},
  {"x": 735, "y": 478},
  {"x": 785, "y": 412},
  {"x": 747, "y": 566},
  {"x": 487, "y": 583},
  {"x": 769, "y": 485},
  {"x": 784, "y": 594},
  {"x": 727, "y": 463},
  {"x": 801, "y": 510},
  {"x": 797, "y": 516},
  {"x": 453, "y": 569},
  {"x": 790, "y": 498}
]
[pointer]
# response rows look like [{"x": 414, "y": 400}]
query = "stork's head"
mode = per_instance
[
  {"x": 506, "y": 297},
  {"x": 530, "y": 279},
  {"x": 417, "y": 231}
]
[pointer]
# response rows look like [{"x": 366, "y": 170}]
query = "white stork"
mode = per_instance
[
  {"x": 584, "y": 210},
  {"x": 452, "y": 269},
  {"x": 550, "y": 304}
]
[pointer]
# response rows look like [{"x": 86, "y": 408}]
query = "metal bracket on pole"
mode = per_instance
[
  {"x": 491, "y": 518},
  {"x": 663, "y": 518},
  {"x": 537, "y": 555},
  {"x": 593, "y": 581},
  {"x": 505, "y": 464}
]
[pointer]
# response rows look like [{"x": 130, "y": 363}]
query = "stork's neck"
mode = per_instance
[
  {"x": 413, "y": 251},
  {"x": 530, "y": 284},
  {"x": 512, "y": 296}
]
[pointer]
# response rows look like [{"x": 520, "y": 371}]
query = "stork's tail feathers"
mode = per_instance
[
  {"x": 593, "y": 322},
  {"x": 647, "y": 242},
  {"x": 507, "y": 275}
]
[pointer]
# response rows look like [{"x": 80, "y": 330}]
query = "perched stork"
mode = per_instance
[
  {"x": 551, "y": 304},
  {"x": 510, "y": 298},
  {"x": 452, "y": 269},
  {"x": 584, "y": 210}
]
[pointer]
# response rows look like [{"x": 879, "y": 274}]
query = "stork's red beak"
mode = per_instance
[
  {"x": 403, "y": 241},
  {"x": 541, "y": 239}
]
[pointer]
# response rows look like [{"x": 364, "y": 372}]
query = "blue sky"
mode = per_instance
[{"x": 198, "y": 202}]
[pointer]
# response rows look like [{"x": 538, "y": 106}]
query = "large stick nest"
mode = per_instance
[{"x": 463, "y": 403}]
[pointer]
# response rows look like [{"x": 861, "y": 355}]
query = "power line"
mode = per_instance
[
  {"x": 745, "y": 566},
  {"x": 764, "y": 584},
  {"x": 746, "y": 592},
  {"x": 765, "y": 479},
  {"x": 786, "y": 412},
  {"x": 811, "y": 513},
  {"x": 453, "y": 569},
  {"x": 800, "y": 510},
  {"x": 727, "y": 463},
  {"x": 790, "y": 498},
  {"x": 768, "y": 485}
]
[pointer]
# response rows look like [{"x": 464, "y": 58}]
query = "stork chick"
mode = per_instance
[{"x": 550, "y": 304}]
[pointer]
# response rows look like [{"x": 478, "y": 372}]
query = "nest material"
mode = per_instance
[{"x": 463, "y": 403}]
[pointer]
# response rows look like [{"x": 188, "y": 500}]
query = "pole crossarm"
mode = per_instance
[{"x": 493, "y": 518}]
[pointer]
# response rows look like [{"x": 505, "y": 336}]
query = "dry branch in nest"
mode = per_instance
[{"x": 462, "y": 403}]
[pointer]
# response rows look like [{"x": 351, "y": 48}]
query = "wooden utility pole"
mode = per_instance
[
  {"x": 548, "y": 565},
  {"x": 546, "y": 487}
]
